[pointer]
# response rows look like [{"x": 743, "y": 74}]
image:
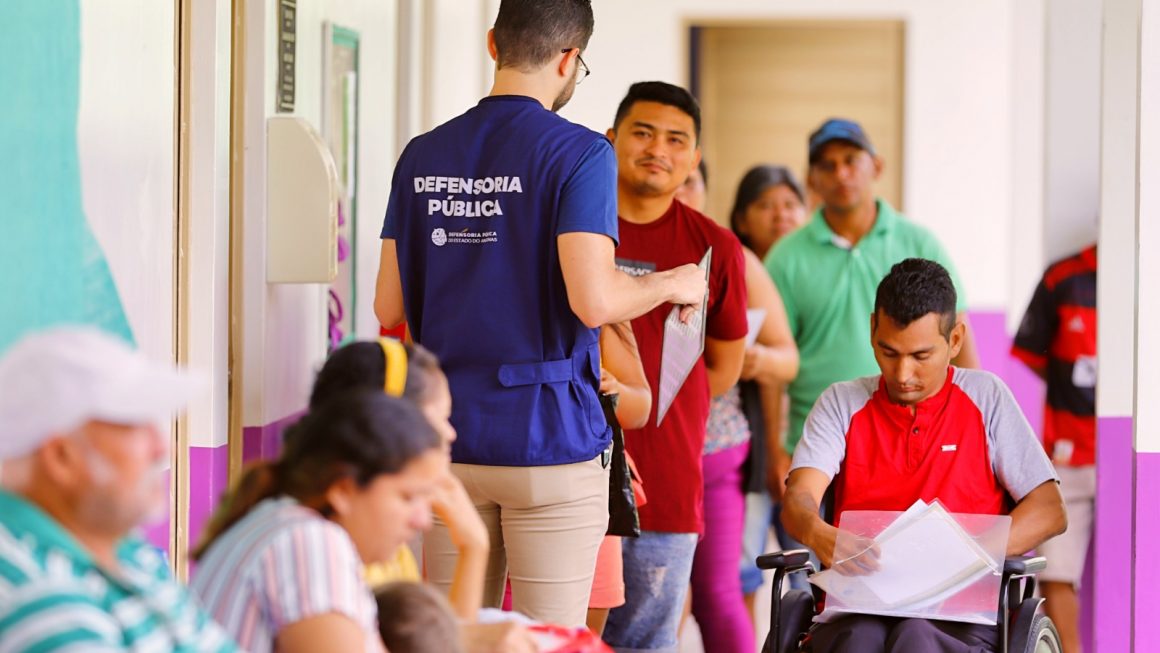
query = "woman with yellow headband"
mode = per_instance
[{"x": 413, "y": 373}]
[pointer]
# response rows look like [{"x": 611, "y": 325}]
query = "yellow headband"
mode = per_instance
[{"x": 395, "y": 380}]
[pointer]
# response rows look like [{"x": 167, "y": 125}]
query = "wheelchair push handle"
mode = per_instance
[
  {"x": 783, "y": 559},
  {"x": 1024, "y": 565}
]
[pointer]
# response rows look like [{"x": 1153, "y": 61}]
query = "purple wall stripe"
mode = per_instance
[
  {"x": 265, "y": 442},
  {"x": 1146, "y": 583},
  {"x": 1113, "y": 535},
  {"x": 208, "y": 478}
]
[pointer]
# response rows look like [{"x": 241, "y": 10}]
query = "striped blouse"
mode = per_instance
[
  {"x": 55, "y": 597},
  {"x": 281, "y": 564}
]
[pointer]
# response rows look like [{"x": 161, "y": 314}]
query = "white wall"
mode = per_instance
[
  {"x": 209, "y": 214},
  {"x": 964, "y": 106},
  {"x": 1026, "y": 247},
  {"x": 285, "y": 324},
  {"x": 1116, "y": 387},
  {"x": 1072, "y": 126},
  {"x": 125, "y": 147},
  {"x": 1148, "y": 235}
]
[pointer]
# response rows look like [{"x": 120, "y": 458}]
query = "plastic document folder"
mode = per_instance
[
  {"x": 683, "y": 344},
  {"x": 925, "y": 562}
]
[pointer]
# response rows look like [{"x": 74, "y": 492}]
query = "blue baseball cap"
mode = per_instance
[{"x": 838, "y": 129}]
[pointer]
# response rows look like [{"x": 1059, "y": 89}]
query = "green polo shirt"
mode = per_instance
[
  {"x": 54, "y": 596},
  {"x": 828, "y": 289}
]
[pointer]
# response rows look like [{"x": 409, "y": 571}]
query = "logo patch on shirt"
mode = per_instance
[
  {"x": 950, "y": 447},
  {"x": 1076, "y": 325},
  {"x": 635, "y": 268}
]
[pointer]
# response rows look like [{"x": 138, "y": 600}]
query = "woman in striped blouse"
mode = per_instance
[{"x": 281, "y": 563}]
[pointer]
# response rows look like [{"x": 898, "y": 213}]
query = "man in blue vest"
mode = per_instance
[{"x": 498, "y": 251}]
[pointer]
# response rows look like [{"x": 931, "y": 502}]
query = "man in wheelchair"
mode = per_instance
[{"x": 920, "y": 430}]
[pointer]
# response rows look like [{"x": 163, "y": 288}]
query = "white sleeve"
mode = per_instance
[{"x": 823, "y": 443}]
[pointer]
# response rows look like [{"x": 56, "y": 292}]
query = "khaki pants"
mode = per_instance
[{"x": 546, "y": 526}]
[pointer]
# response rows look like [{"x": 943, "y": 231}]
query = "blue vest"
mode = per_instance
[{"x": 474, "y": 210}]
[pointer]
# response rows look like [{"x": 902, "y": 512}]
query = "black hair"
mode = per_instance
[
  {"x": 661, "y": 93},
  {"x": 415, "y": 618},
  {"x": 704, "y": 170},
  {"x": 359, "y": 435},
  {"x": 756, "y": 180},
  {"x": 529, "y": 33},
  {"x": 363, "y": 365},
  {"x": 915, "y": 288}
]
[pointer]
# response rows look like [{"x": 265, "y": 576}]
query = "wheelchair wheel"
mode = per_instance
[{"x": 1044, "y": 637}]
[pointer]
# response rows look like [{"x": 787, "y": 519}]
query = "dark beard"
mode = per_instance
[{"x": 564, "y": 96}]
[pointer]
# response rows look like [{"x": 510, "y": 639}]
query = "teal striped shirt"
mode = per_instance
[{"x": 54, "y": 596}]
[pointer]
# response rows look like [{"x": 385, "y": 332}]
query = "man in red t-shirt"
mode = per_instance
[
  {"x": 655, "y": 135},
  {"x": 920, "y": 430}
]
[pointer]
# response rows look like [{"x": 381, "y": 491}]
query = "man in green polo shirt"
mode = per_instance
[
  {"x": 828, "y": 271},
  {"x": 82, "y": 464}
]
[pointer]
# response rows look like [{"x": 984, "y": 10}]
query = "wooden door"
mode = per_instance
[{"x": 763, "y": 88}]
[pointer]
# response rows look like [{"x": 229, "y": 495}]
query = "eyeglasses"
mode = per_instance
[{"x": 584, "y": 69}]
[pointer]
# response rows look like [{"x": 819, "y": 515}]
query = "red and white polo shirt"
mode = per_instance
[{"x": 968, "y": 445}]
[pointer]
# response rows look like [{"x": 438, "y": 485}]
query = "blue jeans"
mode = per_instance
[
  {"x": 760, "y": 514},
  {"x": 657, "y": 568}
]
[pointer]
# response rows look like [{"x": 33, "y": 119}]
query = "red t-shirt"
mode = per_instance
[{"x": 669, "y": 457}]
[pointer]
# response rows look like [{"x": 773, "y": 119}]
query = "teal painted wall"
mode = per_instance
[{"x": 53, "y": 269}]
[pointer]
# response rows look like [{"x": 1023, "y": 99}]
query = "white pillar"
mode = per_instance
[{"x": 1127, "y": 521}]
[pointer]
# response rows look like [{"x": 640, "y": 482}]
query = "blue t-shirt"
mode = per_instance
[
  {"x": 475, "y": 209},
  {"x": 587, "y": 200}
]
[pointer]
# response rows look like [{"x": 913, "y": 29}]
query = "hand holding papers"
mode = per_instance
[
  {"x": 683, "y": 344},
  {"x": 924, "y": 562}
]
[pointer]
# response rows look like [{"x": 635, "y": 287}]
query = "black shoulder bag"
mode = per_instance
[{"x": 623, "y": 518}]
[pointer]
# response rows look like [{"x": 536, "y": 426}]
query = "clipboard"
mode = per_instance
[{"x": 683, "y": 344}]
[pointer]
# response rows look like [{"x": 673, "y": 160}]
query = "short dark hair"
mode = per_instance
[
  {"x": 414, "y": 618},
  {"x": 752, "y": 185},
  {"x": 915, "y": 288},
  {"x": 661, "y": 93},
  {"x": 704, "y": 170},
  {"x": 360, "y": 435},
  {"x": 528, "y": 33}
]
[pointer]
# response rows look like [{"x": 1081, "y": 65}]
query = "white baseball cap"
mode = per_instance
[{"x": 55, "y": 380}]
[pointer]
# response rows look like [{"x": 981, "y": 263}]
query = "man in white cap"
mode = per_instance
[{"x": 82, "y": 459}]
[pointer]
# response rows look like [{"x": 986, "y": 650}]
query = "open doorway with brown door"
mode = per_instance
[{"x": 764, "y": 87}]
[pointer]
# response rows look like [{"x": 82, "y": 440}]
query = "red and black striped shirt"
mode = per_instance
[{"x": 1058, "y": 335}]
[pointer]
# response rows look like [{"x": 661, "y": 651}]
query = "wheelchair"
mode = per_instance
[{"x": 1022, "y": 627}]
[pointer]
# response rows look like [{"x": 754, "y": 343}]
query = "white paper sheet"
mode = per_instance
[
  {"x": 924, "y": 557},
  {"x": 683, "y": 344},
  {"x": 756, "y": 317}
]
